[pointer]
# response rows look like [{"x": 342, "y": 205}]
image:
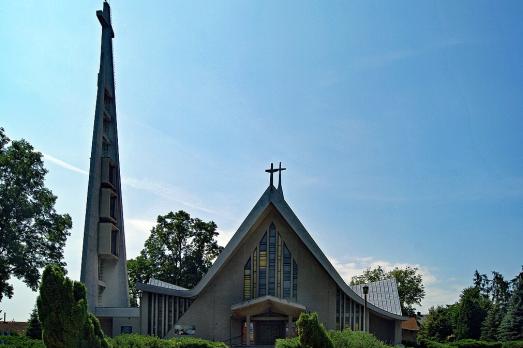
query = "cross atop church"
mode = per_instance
[
  {"x": 105, "y": 18},
  {"x": 273, "y": 170}
]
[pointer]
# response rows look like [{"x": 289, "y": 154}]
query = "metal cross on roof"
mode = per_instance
[
  {"x": 280, "y": 169},
  {"x": 271, "y": 171}
]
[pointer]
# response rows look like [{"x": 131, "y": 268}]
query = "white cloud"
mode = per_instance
[
  {"x": 136, "y": 232},
  {"x": 159, "y": 189},
  {"x": 165, "y": 191},
  {"x": 64, "y": 164},
  {"x": 437, "y": 292}
]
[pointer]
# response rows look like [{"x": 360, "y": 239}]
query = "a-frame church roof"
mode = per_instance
[{"x": 389, "y": 308}]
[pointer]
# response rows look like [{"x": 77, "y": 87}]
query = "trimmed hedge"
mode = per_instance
[
  {"x": 288, "y": 342},
  {"x": 20, "y": 342},
  {"x": 340, "y": 339},
  {"x": 139, "y": 341},
  {"x": 470, "y": 343}
]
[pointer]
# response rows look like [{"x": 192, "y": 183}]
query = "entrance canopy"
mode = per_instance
[{"x": 267, "y": 304}]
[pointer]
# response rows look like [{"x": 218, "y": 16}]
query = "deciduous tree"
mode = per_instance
[
  {"x": 179, "y": 250},
  {"x": 32, "y": 233},
  {"x": 410, "y": 284}
]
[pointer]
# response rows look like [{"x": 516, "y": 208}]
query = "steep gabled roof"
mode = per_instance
[{"x": 274, "y": 197}]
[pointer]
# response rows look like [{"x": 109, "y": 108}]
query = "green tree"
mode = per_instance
[
  {"x": 32, "y": 233},
  {"x": 410, "y": 284},
  {"x": 34, "y": 327},
  {"x": 511, "y": 327},
  {"x": 439, "y": 323},
  {"x": 311, "y": 332},
  {"x": 473, "y": 306},
  {"x": 62, "y": 309},
  {"x": 179, "y": 250},
  {"x": 500, "y": 294},
  {"x": 369, "y": 275}
]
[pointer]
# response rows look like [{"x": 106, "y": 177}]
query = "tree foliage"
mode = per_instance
[
  {"x": 473, "y": 307},
  {"x": 439, "y": 323},
  {"x": 410, "y": 284},
  {"x": 499, "y": 290},
  {"x": 34, "y": 327},
  {"x": 32, "y": 233},
  {"x": 511, "y": 327},
  {"x": 179, "y": 250},
  {"x": 62, "y": 308},
  {"x": 311, "y": 332}
]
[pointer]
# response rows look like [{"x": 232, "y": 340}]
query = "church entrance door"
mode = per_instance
[{"x": 267, "y": 331}]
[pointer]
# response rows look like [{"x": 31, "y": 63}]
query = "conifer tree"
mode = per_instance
[
  {"x": 34, "y": 327},
  {"x": 62, "y": 309},
  {"x": 500, "y": 293},
  {"x": 511, "y": 327},
  {"x": 473, "y": 307}
]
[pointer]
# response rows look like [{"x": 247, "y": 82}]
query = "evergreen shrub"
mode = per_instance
[
  {"x": 293, "y": 342},
  {"x": 311, "y": 332},
  {"x": 20, "y": 342},
  {"x": 139, "y": 341}
]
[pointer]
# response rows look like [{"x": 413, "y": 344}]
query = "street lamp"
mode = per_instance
[{"x": 365, "y": 293}]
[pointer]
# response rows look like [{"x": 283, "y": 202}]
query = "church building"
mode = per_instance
[{"x": 269, "y": 273}]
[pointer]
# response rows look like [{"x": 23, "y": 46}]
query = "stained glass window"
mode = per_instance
[
  {"x": 286, "y": 272},
  {"x": 271, "y": 269},
  {"x": 262, "y": 284},
  {"x": 247, "y": 280},
  {"x": 294, "y": 280},
  {"x": 272, "y": 260}
]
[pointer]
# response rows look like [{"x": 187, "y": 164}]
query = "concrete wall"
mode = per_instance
[
  {"x": 211, "y": 311},
  {"x": 384, "y": 329}
]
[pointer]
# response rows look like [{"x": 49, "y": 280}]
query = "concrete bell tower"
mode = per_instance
[{"x": 104, "y": 270}]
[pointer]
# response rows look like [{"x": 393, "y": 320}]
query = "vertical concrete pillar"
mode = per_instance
[
  {"x": 248, "y": 338},
  {"x": 290, "y": 332},
  {"x": 367, "y": 320},
  {"x": 397, "y": 332}
]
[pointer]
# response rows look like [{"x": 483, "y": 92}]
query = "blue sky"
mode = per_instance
[{"x": 399, "y": 122}]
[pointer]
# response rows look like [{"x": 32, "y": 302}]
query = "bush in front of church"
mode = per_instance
[
  {"x": 62, "y": 309},
  {"x": 355, "y": 339},
  {"x": 311, "y": 332},
  {"x": 139, "y": 341},
  {"x": 20, "y": 342}
]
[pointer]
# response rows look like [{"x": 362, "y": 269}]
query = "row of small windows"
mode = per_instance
[
  {"x": 163, "y": 311},
  {"x": 349, "y": 314},
  {"x": 270, "y": 270}
]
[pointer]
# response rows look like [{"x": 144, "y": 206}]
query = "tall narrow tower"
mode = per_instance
[{"x": 104, "y": 270}]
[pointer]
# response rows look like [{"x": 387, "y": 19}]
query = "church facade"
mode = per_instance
[{"x": 269, "y": 273}]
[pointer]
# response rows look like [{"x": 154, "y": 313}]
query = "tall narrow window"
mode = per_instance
[
  {"x": 347, "y": 312},
  {"x": 357, "y": 317},
  {"x": 286, "y": 272},
  {"x": 105, "y": 148},
  {"x": 114, "y": 242},
  {"x": 247, "y": 280},
  {"x": 254, "y": 272},
  {"x": 294, "y": 280},
  {"x": 112, "y": 174},
  {"x": 278, "y": 266},
  {"x": 169, "y": 313},
  {"x": 160, "y": 315},
  {"x": 338, "y": 299},
  {"x": 113, "y": 207},
  {"x": 262, "y": 285},
  {"x": 272, "y": 260}
]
